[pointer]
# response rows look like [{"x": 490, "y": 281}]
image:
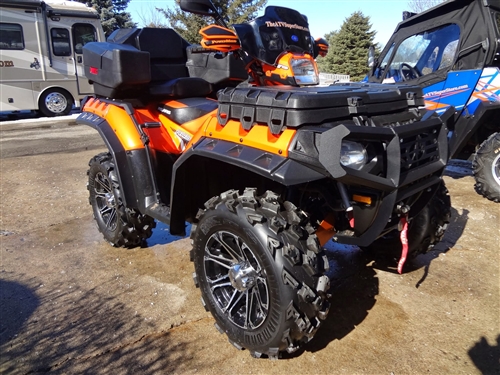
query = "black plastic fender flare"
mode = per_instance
[
  {"x": 131, "y": 166},
  {"x": 273, "y": 167}
]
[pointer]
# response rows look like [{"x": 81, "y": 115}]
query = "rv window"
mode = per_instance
[
  {"x": 60, "y": 42},
  {"x": 82, "y": 34},
  {"x": 11, "y": 36}
]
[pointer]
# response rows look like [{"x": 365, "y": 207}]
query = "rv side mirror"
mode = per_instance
[
  {"x": 371, "y": 56},
  {"x": 200, "y": 7}
]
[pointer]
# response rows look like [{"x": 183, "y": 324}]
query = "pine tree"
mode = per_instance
[
  {"x": 233, "y": 11},
  {"x": 348, "y": 51},
  {"x": 112, "y": 13}
]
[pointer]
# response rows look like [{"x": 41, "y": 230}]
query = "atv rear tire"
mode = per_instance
[
  {"x": 120, "y": 226},
  {"x": 486, "y": 166},
  {"x": 260, "y": 269},
  {"x": 424, "y": 231}
]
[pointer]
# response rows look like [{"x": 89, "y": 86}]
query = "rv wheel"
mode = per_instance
[
  {"x": 120, "y": 226},
  {"x": 260, "y": 269},
  {"x": 486, "y": 167},
  {"x": 55, "y": 102}
]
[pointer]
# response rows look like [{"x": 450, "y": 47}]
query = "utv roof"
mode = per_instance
[
  {"x": 443, "y": 10},
  {"x": 477, "y": 22}
]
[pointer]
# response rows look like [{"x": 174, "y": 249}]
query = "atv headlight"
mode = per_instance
[
  {"x": 353, "y": 155},
  {"x": 304, "y": 71}
]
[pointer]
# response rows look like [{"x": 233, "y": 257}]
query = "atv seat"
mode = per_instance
[{"x": 121, "y": 68}]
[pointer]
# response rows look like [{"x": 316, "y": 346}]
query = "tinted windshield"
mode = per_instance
[{"x": 278, "y": 30}]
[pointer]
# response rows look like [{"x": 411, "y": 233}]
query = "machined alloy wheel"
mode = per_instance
[
  {"x": 237, "y": 281},
  {"x": 105, "y": 201},
  {"x": 261, "y": 270}
]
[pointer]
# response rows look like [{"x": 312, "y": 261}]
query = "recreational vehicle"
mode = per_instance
[{"x": 41, "y": 56}]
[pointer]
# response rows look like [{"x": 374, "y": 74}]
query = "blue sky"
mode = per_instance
[{"x": 324, "y": 15}]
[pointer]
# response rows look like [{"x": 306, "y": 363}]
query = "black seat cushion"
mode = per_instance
[
  {"x": 185, "y": 87},
  {"x": 192, "y": 109}
]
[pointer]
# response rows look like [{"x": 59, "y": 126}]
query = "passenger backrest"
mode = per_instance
[{"x": 167, "y": 51}]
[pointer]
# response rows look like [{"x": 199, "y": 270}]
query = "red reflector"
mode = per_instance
[
  {"x": 93, "y": 70},
  {"x": 223, "y": 115}
]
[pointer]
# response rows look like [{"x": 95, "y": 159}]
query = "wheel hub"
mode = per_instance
[
  {"x": 110, "y": 200},
  {"x": 242, "y": 276},
  {"x": 56, "y": 102}
]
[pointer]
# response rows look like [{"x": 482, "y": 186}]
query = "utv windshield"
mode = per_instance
[
  {"x": 278, "y": 30},
  {"x": 421, "y": 54}
]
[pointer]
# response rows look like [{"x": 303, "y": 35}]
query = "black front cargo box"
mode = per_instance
[
  {"x": 292, "y": 107},
  {"x": 116, "y": 69}
]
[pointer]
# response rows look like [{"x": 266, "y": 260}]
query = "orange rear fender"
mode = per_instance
[{"x": 119, "y": 120}]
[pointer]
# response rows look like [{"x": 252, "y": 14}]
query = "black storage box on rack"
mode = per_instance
[
  {"x": 215, "y": 68},
  {"x": 117, "y": 70},
  {"x": 280, "y": 107}
]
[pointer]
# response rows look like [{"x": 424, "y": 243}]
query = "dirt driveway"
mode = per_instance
[{"x": 72, "y": 304}]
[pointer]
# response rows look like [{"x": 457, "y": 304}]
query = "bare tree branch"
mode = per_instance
[{"x": 418, "y": 6}]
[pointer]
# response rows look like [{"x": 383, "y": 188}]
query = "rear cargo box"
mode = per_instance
[{"x": 117, "y": 70}]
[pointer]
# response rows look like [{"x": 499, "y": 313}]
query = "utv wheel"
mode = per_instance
[
  {"x": 424, "y": 231},
  {"x": 486, "y": 167},
  {"x": 55, "y": 102},
  {"x": 260, "y": 269},
  {"x": 120, "y": 226}
]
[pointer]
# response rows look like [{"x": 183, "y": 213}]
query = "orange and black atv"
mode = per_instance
[{"x": 266, "y": 171}]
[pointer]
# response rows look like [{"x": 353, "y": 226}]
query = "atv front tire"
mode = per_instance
[
  {"x": 260, "y": 269},
  {"x": 120, "y": 226},
  {"x": 424, "y": 231},
  {"x": 486, "y": 166}
]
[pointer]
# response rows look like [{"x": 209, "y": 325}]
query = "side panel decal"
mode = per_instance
[
  {"x": 486, "y": 90},
  {"x": 456, "y": 91}
]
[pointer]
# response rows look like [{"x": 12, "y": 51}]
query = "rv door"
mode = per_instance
[{"x": 82, "y": 34}]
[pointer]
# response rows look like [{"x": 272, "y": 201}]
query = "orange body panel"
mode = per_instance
[
  {"x": 326, "y": 229},
  {"x": 259, "y": 136},
  {"x": 120, "y": 122},
  {"x": 176, "y": 138}
]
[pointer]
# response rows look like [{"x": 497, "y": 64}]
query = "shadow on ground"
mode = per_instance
[
  {"x": 486, "y": 357},
  {"x": 456, "y": 227},
  {"x": 354, "y": 286},
  {"x": 64, "y": 330},
  {"x": 17, "y": 304}
]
